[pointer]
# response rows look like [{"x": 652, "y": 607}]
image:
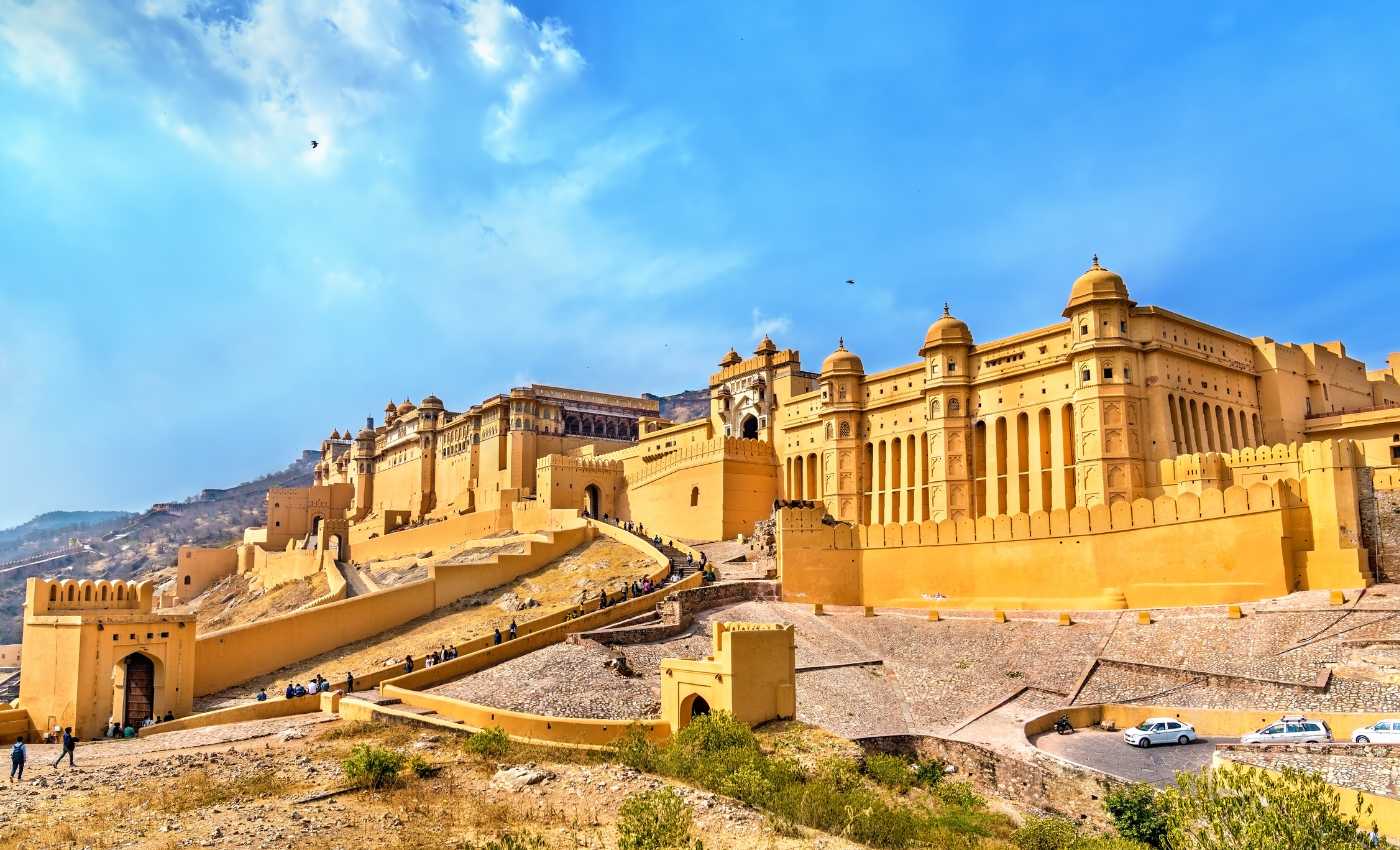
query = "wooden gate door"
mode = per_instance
[{"x": 140, "y": 690}]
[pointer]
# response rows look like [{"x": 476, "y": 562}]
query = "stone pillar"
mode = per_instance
[
  {"x": 1013, "y": 464},
  {"x": 1037, "y": 471}
]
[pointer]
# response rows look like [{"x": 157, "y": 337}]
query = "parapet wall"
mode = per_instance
[
  {"x": 1213, "y": 547},
  {"x": 73, "y": 596}
]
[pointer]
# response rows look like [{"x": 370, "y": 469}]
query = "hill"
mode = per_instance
[
  {"x": 683, "y": 406},
  {"x": 119, "y": 545},
  {"x": 55, "y": 522}
]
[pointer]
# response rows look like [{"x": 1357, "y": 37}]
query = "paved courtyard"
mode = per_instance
[{"x": 1106, "y": 751}]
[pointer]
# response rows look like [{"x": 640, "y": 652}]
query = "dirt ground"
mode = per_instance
[
  {"x": 242, "y": 786},
  {"x": 234, "y": 601},
  {"x": 561, "y": 583}
]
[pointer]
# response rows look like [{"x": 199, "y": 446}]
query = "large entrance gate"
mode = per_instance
[{"x": 140, "y": 690}]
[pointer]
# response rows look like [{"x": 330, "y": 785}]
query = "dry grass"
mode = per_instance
[{"x": 200, "y": 790}]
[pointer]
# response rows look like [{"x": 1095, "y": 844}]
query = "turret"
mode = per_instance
[
  {"x": 947, "y": 410},
  {"x": 841, "y": 376}
]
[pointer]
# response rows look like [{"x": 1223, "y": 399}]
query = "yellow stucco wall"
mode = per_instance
[
  {"x": 750, "y": 673},
  {"x": 196, "y": 568},
  {"x": 1215, "y": 546}
]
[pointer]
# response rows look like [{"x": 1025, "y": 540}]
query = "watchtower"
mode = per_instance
[{"x": 95, "y": 650}]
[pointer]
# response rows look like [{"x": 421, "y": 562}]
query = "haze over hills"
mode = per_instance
[
  {"x": 58, "y": 521},
  {"x": 684, "y": 405}
]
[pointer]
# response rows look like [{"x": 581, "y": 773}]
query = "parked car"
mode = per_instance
[
  {"x": 1291, "y": 729},
  {"x": 1380, "y": 732},
  {"x": 1159, "y": 730}
]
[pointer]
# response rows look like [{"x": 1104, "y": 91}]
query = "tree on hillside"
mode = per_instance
[{"x": 1237, "y": 807}]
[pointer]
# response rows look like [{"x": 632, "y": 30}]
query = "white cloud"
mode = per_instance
[{"x": 769, "y": 325}]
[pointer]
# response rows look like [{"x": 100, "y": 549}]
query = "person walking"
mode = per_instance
[
  {"x": 69, "y": 745},
  {"x": 512, "y": 629},
  {"x": 408, "y": 663},
  {"x": 18, "y": 755},
  {"x": 350, "y": 683}
]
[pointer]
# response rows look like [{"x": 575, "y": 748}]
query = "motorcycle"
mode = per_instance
[{"x": 1063, "y": 725}]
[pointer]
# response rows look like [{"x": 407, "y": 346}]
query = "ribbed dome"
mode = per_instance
[
  {"x": 406, "y": 407},
  {"x": 730, "y": 359},
  {"x": 948, "y": 330},
  {"x": 391, "y": 407},
  {"x": 842, "y": 360},
  {"x": 431, "y": 400},
  {"x": 766, "y": 346},
  {"x": 335, "y": 435},
  {"x": 1095, "y": 284}
]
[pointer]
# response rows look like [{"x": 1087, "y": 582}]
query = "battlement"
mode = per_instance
[
  {"x": 706, "y": 451},
  {"x": 596, "y": 464},
  {"x": 55, "y": 596},
  {"x": 1121, "y": 516},
  {"x": 1246, "y": 466}
]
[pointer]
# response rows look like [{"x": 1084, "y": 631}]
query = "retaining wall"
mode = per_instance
[{"x": 272, "y": 707}]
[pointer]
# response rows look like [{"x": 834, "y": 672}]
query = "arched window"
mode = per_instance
[
  {"x": 954, "y": 406},
  {"x": 121, "y": 592},
  {"x": 845, "y": 429},
  {"x": 72, "y": 593},
  {"x": 53, "y": 593},
  {"x": 87, "y": 593},
  {"x": 828, "y": 430},
  {"x": 694, "y": 496},
  {"x": 103, "y": 595},
  {"x": 934, "y": 409}
]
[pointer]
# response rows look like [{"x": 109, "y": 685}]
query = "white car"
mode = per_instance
[
  {"x": 1380, "y": 732},
  {"x": 1159, "y": 730},
  {"x": 1291, "y": 729}
]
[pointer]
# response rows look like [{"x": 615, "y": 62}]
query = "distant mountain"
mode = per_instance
[
  {"x": 57, "y": 521},
  {"x": 683, "y": 406},
  {"x": 135, "y": 546}
]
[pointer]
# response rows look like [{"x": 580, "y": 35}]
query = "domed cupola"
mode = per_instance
[
  {"x": 766, "y": 346},
  {"x": 842, "y": 360},
  {"x": 730, "y": 359},
  {"x": 431, "y": 401},
  {"x": 946, "y": 330},
  {"x": 406, "y": 407},
  {"x": 1096, "y": 284}
]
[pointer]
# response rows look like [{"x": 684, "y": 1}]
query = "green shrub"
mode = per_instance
[
  {"x": 653, "y": 820},
  {"x": 491, "y": 743},
  {"x": 1138, "y": 814},
  {"x": 370, "y": 766},
  {"x": 509, "y": 841},
  {"x": 709, "y": 733},
  {"x": 419, "y": 767},
  {"x": 1244, "y": 808},
  {"x": 928, "y": 773},
  {"x": 634, "y": 750},
  {"x": 1046, "y": 834},
  {"x": 958, "y": 794},
  {"x": 893, "y": 772},
  {"x": 747, "y": 785}
]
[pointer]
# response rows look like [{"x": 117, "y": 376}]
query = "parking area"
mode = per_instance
[{"x": 1106, "y": 751}]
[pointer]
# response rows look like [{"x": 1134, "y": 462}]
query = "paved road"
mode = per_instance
[{"x": 1106, "y": 751}]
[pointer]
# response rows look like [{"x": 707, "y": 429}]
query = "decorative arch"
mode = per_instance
[{"x": 694, "y": 497}]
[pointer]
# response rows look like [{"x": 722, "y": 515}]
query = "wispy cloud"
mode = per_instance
[{"x": 768, "y": 325}]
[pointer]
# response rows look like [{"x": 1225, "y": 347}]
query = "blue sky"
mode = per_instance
[{"x": 611, "y": 194}]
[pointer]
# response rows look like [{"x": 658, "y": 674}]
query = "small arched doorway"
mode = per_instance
[
  {"x": 748, "y": 429},
  {"x": 694, "y": 706},
  {"x": 333, "y": 547},
  {"x": 592, "y": 500},
  {"x": 140, "y": 690}
]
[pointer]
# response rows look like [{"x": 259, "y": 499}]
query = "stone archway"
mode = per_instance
[
  {"x": 692, "y": 707},
  {"x": 748, "y": 429},
  {"x": 593, "y": 500}
]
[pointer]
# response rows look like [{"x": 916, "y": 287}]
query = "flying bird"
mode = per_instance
[
  {"x": 315, "y": 144},
  {"x": 850, "y": 281}
]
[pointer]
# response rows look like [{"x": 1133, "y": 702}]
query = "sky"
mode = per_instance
[{"x": 610, "y": 195}]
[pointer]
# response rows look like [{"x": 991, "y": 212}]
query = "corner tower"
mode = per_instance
[
  {"x": 1109, "y": 412},
  {"x": 947, "y": 387},
  {"x": 841, "y": 376}
]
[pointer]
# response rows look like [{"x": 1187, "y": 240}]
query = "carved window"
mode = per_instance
[
  {"x": 845, "y": 429},
  {"x": 952, "y": 367},
  {"x": 954, "y": 406},
  {"x": 933, "y": 409}
]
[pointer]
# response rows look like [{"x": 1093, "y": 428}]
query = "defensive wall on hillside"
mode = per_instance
[{"x": 1216, "y": 546}]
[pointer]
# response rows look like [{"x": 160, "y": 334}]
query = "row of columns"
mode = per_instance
[
  {"x": 1211, "y": 428},
  {"x": 895, "y": 479},
  {"x": 1024, "y": 462},
  {"x": 802, "y": 477}
]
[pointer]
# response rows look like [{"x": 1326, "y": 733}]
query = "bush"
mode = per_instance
[
  {"x": 509, "y": 841},
  {"x": 958, "y": 794},
  {"x": 1138, "y": 814},
  {"x": 1244, "y": 808},
  {"x": 653, "y": 820},
  {"x": 1046, "y": 834},
  {"x": 928, "y": 773},
  {"x": 634, "y": 750},
  {"x": 491, "y": 743},
  {"x": 420, "y": 767},
  {"x": 369, "y": 766},
  {"x": 893, "y": 772}
]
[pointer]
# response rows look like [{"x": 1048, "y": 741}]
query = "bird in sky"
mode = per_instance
[
  {"x": 850, "y": 281},
  {"x": 315, "y": 144}
]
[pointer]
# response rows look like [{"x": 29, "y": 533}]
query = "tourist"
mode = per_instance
[
  {"x": 261, "y": 697},
  {"x": 18, "y": 755},
  {"x": 427, "y": 661},
  {"x": 169, "y": 716},
  {"x": 495, "y": 641},
  {"x": 291, "y": 690},
  {"x": 129, "y": 731},
  {"x": 408, "y": 663},
  {"x": 602, "y": 599},
  {"x": 69, "y": 745},
  {"x": 148, "y": 722},
  {"x": 513, "y": 630},
  {"x": 311, "y": 688},
  {"x": 349, "y": 683}
]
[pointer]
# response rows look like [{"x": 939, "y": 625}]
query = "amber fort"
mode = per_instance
[{"x": 1051, "y": 503}]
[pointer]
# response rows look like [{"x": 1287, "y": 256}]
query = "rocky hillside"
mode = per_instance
[
  {"x": 116, "y": 545},
  {"x": 683, "y": 406}
]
